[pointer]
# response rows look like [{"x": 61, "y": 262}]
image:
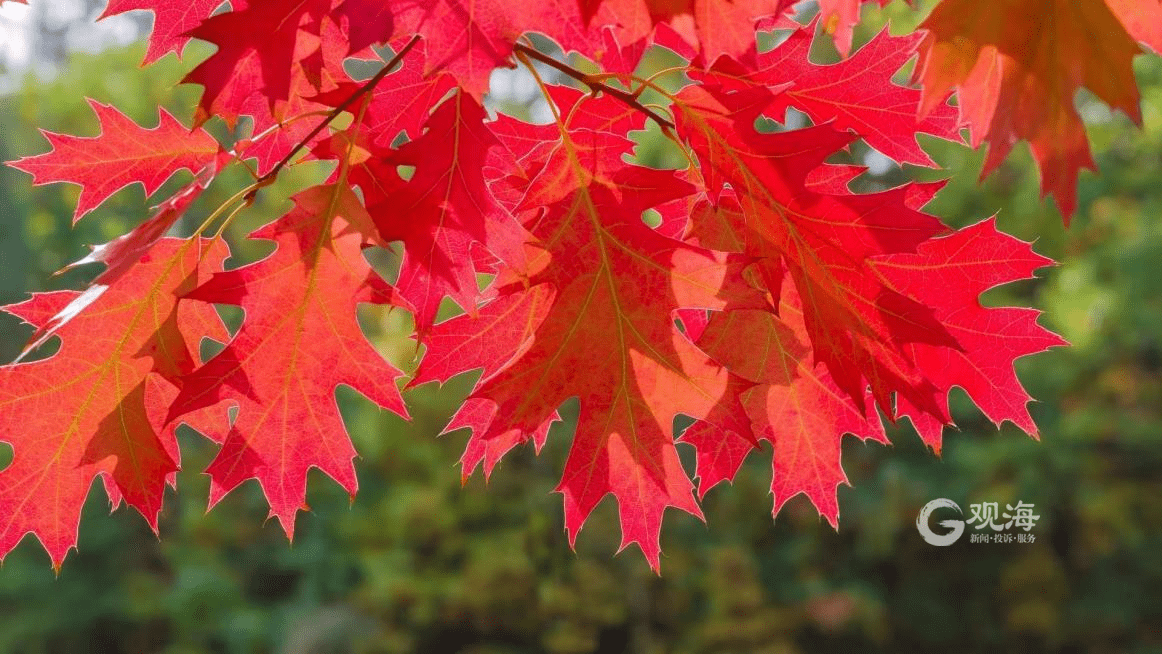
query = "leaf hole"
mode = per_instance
[
  {"x": 232, "y": 316},
  {"x": 6, "y": 454},
  {"x": 682, "y": 422},
  {"x": 385, "y": 261},
  {"x": 400, "y": 139},
  {"x": 360, "y": 69},
  {"x": 208, "y": 348}
]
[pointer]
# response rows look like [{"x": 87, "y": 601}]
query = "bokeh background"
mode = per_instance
[{"x": 420, "y": 563}]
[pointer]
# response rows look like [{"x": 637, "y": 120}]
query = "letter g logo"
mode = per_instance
[{"x": 931, "y": 537}]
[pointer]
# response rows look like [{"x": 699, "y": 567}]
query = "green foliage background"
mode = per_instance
[{"x": 418, "y": 563}]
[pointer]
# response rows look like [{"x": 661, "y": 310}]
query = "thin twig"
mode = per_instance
[
  {"x": 595, "y": 83},
  {"x": 266, "y": 179}
]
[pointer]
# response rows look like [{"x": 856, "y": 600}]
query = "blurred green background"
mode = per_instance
[{"x": 420, "y": 564}]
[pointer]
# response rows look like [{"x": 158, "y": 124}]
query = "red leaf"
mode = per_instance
[
  {"x": 858, "y": 94},
  {"x": 799, "y": 408},
  {"x": 172, "y": 22},
  {"x": 466, "y": 38},
  {"x": 469, "y": 38},
  {"x": 839, "y": 17},
  {"x": 83, "y": 412},
  {"x": 399, "y": 103},
  {"x": 488, "y": 447},
  {"x": 1016, "y": 65},
  {"x": 122, "y": 154},
  {"x": 823, "y": 241},
  {"x": 720, "y": 454},
  {"x": 796, "y": 406},
  {"x": 265, "y": 51},
  {"x": 608, "y": 337},
  {"x": 365, "y": 22},
  {"x": 443, "y": 209},
  {"x": 719, "y": 27},
  {"x": 949, "y": 274},
  {"x": 770, "y": 302},
  {"x": 299, "y": 341},
  {"x": 500, "y": 331}
]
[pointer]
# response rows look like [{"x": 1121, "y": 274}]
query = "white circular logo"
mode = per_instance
[{"x": 933, "y": 538}]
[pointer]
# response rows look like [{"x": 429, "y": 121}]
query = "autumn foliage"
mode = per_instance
[{"x": 749, "y": 289}]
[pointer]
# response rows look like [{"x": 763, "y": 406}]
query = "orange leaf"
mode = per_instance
[
  {"x": 1017, "y": 65},
  {"x": 88, "y": 410}
]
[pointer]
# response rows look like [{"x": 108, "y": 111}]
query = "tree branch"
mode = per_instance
[{"x": 370, "y": 84}]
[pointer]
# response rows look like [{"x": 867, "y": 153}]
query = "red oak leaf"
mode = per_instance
[
  {"x": 608, "y": 338},
  {"x": 719, "y": 454},
  {"x": 265, "y": 51},
  {"x": 299, "y": 341},
  {"x": 124, "y": 153},
  {"x": 822, "y": 240},
  {"x": 444, "y": 208},
  {"x": 858, "y": 93},
  {"x": 83, "y": 412},
  {"x": 485, "y": 449},
  {"x": 172, "y": 22},
  {"x": 279, "y": 126},
  {"x": 768, "y": 303},
  {"x": 1016, "y": 65},
  {"x": 949, "y": 274},
  {"x": 799, "y": 408},
  {"x": 275, "y": 137},
  {"x": 401, "y": 102},
  {"x": 499, "y": 332},
  {"x": 796, "y": 406}
]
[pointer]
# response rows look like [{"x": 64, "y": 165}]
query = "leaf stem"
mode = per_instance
[
  {"x": 370, "y": 84},
  {"x": 595, "y": 83}
]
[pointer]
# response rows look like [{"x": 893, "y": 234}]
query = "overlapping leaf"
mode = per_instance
[
  {"x": 949, "y": 274},
  {"x": 716, "y": 27},
  {"x": 804, "y": 311},
  {"x": 97, "y": 406},
  {"x": 1017, "y": 65},
  {"x": 443, "y": 210},
  {"x": 609, "y": 339},
  {"x": 401, "y": 102},
  {"x": 858, "y": 94},
  {"x": 262, "y": 48},
  {"x": 469, "y": 38},
  {"x": 299, "y": 341},
  {"x": 821, "y": 240},
  {"x": 796, "y": 406}
]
